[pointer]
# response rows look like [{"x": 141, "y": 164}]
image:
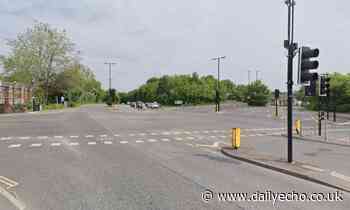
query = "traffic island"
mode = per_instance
[{"x": 297, "y": 169}]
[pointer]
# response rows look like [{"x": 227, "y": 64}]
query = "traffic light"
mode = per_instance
[
  {"x": 324, "y": 85},
  {"x": 310, "y": 90},
  {"x": 305, "y": 65},
  {"x": 277, "y": 93}
]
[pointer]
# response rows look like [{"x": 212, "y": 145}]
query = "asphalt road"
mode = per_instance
[{"x": 100, "y": 158}]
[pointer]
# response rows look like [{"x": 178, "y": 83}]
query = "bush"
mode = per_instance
[{"x": 343, "y": 108}]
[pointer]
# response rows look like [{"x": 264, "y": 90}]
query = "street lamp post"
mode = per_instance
[
  {"x": 218, "y": 83},
  {"x": 110, "y": 78}
]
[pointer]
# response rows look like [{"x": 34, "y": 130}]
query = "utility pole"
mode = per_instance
[
  {"x": 291, "y": 46},
  {"x": 248, "y": 77},
  {"x": 256, "y": 75},
  {"x": 110, "y": 77},
  {"x": 218, "y": 83}
]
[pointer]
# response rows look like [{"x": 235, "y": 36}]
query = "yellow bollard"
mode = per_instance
[
  {"x": 236, "y": 138},
  {"x": 297, "y": 125}
]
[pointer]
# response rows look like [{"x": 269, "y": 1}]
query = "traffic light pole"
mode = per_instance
[
  {"x": 290, "y": 4},
  {"x": 319, "y": 117},
  {"x": 276, "y": 103}
]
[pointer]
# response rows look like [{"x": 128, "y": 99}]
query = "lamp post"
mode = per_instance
[{"x": 218, "y": 83}]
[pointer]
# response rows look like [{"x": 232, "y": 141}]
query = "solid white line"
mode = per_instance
[
  {"x": 108, "y": 142},
  {"x": 313, "y": 168},
  {"x": 36, "y": 145},
  {"x": 73, "y": 144},
  {"x": 92, "y": 143},
  {"x": 74, "y": 137},
  {"x": 165, "y": 140},
  {"x": 340, "y": 176},
  {"x": 139, "y": 141},
  {"x": 123, "y": 142},
  {"x": 14, "y": 145},
  {"x": 152, "y": 140},
  {"x": 24, "y": 137},
  {"x": 89, "y": 136},
  {"x": 56, "y": 144},
  {"x": 58, "y": 137}
]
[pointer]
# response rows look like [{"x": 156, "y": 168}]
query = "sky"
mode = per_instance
[{"x": 165, "y": 37}]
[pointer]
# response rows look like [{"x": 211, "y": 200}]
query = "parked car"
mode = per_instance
[{"x": 155, "y": 105}]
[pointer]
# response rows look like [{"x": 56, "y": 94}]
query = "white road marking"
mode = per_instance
[
  {"x": 152, "y": 140},
  {"x": 312, "y": 168},
  {"x": 153, "y": 134},
  {"x": 73, "y": 144},
  {"x": 176, "y": 133},
  {"x": 24, "y": 137},
  {"x": 36, "y": 145},
  {"x": 190, "y": 137},
  {"x": 165, "y": 140},
  {"x": 178, "y": 139},
  {"x": 103, "y": 135},
  {"x": 139, "y": 141},
  {"x": 223, "y": 136},
  {"x": 187, "y": 132},
  {"x": 142, "y": 134},
  {"x": 8, "y": 182},
  {"x": 340, "y": 176},
  {"x": 123, "y": 142},
  {"x": 74, "y": 137},
  {"x": 89, "y": 136},
  {"x": 116, "y": 135},
  {"x": 92, "y": 143},
  {"x": 215, "y": 131},
  {"x": 58, "y": 137},
  {"x": 108, "y": 142},
  {"x": 131, "y": 134},
  {"x": 212, "y": 136},
  {"x": 195, "y": 131},
  {"x": 190, "y": 144},
  {"x": 6, "y": 138},
  {"x": 14, "y": 145},
  {"x": 205, "y": 131},
  {"x": 166, "y": 133},
  {"x": 42, "y": 137},
  {"x": 56, "y": 144}
]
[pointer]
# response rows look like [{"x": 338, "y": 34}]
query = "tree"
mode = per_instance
[
  {"x": 257, "y": 94},
  {"x": 37, "y": 55}
]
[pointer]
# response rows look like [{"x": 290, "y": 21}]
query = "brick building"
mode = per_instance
[{"x": 13, "y": 97}]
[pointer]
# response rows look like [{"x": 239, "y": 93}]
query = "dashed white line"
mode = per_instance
[
  {"x": 58, "y": 137},
  {"x": 42, "y": 137},
  {"x": 223, "y": 136},
  {"x": 187, "y": 132},
  {"x": 178, "y": 139},
  {"x": 139, "y": 141},
  {"x": 55, "y": 144},
  {"x": 165, "y": 140},
  {"x": 153, "y": 134},
  {"x": 74, "y": 137},
  {"x": 131, "y": 134},
  {"x": 89, "y": 136},
  {"x": 116, "y": 135},
  {"x": 103, "y": 135},
  {"x": 14, "y": 145},
  {"x": 152, "y": 140},
  {"x": 190, "y": 137},
  {"x": 24, "y": 137},
  {"x": 123, "y": 142},
  {"x": 5, "y": 138},
  {"x": 36, "y": 145},
  {"x": 108, "y": 142},
  {"x": 73, "y": 144},
  {"x": 212, "y": 136},
  {"x": 142, "y": 134},
  {"x": 92, "y": 143}
]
